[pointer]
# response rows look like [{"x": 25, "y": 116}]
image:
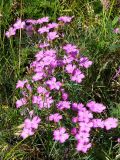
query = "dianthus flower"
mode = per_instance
[
  {"x": 84, "y": 116},
  {"x": 36, "y": 99},
  {"x": 10, "y": 32},
  {"x": 117, "y": 30},
  {"x": 82, "y": 136},
  {"x": 30, "y": 126},
  {"x": 63, "y": 105},
  {"x": 74, "y": 119},
  {"x": 43, "y": 30},
  {"x": 53, "y": 84},
  {"x": 118, "y": 140},
  {"x": 21, "y": 102},
  {"x": 110, "y": 123},
  {"x": 60, "y": 135},
  {"x": 39, "y": 55},
  {"x": 65, "y": 19},
  {"x": 19, "y": 24},
  {"x": 98, "y": 123},
  {"x": 52, "y": 35},
  {"x": 67, "y": 59},
  {"x": 74, "y": 131},
  {"x": 83, "y": 147},
  {"x": 42, "y": 102},
  {"x": 64, "y": 96},
  {"x": 77, "y": 76},
  {"x": 52, "y": 25},
  {"x": 49, "y": 58},
  {"x": 85, "y": 62},
  {"x": 38, "y": 76},
  {"x": 78, "y": 106},
  {"x": 41, "y": 90},
  {"x": 85, "y": 126},
  {"x": 31, "y": 21},
  {"x": 96, "y": 107},
  {"x": 55, "y": 117},
  {"x": 69, "y": 48},
  {"x": 70, "y": 68},
  {"x": 20, "y": 84}
]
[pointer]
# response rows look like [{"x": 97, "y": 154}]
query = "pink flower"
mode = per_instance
[
  {"x": 52, "y": 25},
  {"x": 70, "y": 68},
  {"x": 31, "y": 21},
  {"x": 10, "y": 32},
  {"x": 110, "y": 123},
  {"x": 64, "y": 96},
  {"x": 41, "y": 90},
  {"x": 30, "y": 126},
  {"x": 53, "y": 84},
  {"x": 43, "y": 20},
  {"x": 74, "y": 119},
  {"x": 85, "y": 126},
  {"x": 65, "y": 19},
  {"x": 36, "y": 99},
  {"x": 35, "y": 121},
  {"x": 74, "y": 131},
  {"x": 98, "y": 123},
  {"x": 77, "y": 76},
  {"x": 26, "y": 133},
  {"x": 83, "y": 147},
  {"x": 67, "y": 59},
  {"x": 69, "y": 48},
  {"x": 52, "y": 35},
  {"x": 38, "y": 76},
  {"x": 117, "y": 30},
  {"x": 55, "y": 117},
  {"x": 78, "y": 106},
  {"x": 42, "y": 102},
  {"x": 60, "y": 135},
  {"x": 20, "y": 102},
  {"x": 19, "y": 24},
  {"x": 84, "y": 62},
  {"x": 82, "y": 136},
  {"x": 39, "y": 56},
  {"x": 84, "y": 116},
  {"x": 43, "y": 30},
  {"x": 95, "y": 107},
  {"x": 20, "y": 84},
  {"x": 63, "y": 105},
  {"x": 118, "y": 140}
]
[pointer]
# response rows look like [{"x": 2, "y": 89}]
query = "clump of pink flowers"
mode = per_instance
[{"x": 55, "y": 66}]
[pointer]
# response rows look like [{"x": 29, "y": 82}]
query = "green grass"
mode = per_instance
[{"x": 92, "y": 31}]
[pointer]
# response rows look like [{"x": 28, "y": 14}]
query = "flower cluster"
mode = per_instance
[
  {"x": 85, "y": 123},
  {"x": 54, "y": 66}
]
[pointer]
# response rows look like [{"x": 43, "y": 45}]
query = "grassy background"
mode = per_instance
[{"x": 92, "y": 31}]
